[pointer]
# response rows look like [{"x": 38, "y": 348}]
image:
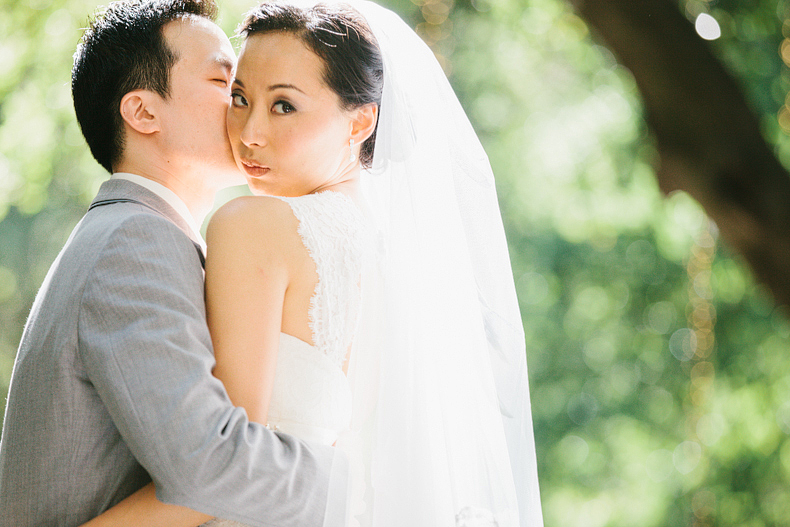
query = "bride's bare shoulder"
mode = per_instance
[{"x": 255, "y": 218}]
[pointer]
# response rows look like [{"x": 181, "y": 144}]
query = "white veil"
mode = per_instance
[{"x": 442, "y": 428}]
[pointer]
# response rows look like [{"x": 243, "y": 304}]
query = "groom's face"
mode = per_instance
[{"x": 193, "y": 129}]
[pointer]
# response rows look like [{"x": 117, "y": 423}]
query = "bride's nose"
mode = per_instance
[{"x": 253, "y": 133}]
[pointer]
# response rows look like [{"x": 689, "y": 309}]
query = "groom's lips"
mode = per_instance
[{"x": 254, "y": 169}]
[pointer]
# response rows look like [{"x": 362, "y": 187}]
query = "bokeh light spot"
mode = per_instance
[
  {"x": 683, "y": 344},
  {"x": 707, "y": 27},
  {"x": 687, "y": 456}
]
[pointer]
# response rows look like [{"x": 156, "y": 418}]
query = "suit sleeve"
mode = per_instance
[{"x": 145, "y": 345}]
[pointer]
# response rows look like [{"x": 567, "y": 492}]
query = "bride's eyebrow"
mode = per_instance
[
  {"x": 287, "y": 86},
  {"x": 273, "y": 87}
]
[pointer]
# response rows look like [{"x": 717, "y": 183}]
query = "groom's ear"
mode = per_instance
[
  {"x": 364, "y": 122},
  {"x": 138, "y": 110}
]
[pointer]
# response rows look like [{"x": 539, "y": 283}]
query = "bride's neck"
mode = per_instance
[{"x": 348, "y": 183}]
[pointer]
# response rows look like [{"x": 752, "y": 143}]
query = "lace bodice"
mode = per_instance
[
  {"x": 311, "y": 398},
  {"x": 334, "y": 231}
]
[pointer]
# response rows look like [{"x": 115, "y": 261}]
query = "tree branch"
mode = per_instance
[{"x": 708, "y": 138}]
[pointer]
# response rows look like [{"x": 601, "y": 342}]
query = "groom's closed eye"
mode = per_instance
[{"x": 223, "y": 72}]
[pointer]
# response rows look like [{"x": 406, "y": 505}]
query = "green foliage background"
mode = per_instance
[{"x": 634, "y": 426}]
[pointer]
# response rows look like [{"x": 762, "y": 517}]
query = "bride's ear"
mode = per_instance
[
  {"x": 364, "y": 122},
  {"x": 138, "y": 111}
]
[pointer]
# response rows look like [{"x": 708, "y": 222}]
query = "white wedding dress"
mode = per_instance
[{"x": 311, "y": 396}]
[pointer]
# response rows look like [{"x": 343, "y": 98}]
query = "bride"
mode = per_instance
[{"x": 363, "y": 297}]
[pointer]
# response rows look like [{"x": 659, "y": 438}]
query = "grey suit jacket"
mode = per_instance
[{"x": 112, "y": 383}]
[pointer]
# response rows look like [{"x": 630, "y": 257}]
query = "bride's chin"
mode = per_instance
[
  {"x": 272, "y": 186},
  {"x": 259, "y": 188}
]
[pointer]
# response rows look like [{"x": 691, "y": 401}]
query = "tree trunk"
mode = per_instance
[{"x": 708, "y": 139}]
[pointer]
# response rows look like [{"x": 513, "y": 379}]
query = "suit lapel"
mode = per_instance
[{"x": 116, "y": 191}]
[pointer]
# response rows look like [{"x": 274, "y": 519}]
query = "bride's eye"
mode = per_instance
[
  {"x": 283, "y": 107},
  {"x": 238, "y": 100}
]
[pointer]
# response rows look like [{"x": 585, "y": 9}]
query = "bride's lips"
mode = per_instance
[{"x": 253, "y": 169}]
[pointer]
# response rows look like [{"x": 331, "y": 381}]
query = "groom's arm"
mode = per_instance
[{"x": 145, "y": 344}]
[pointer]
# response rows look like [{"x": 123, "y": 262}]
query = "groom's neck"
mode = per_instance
[{"x": 191, "y": 188}]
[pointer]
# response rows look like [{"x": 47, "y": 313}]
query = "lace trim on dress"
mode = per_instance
[
  {"x": 334, "y": 232},
  {"x": 475, "y": 517}
]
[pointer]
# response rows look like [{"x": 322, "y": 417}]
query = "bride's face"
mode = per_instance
[{"x": 288, "y": 133}]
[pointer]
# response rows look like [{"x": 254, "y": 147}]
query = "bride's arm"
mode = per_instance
[
  {"x": 142, "y": 508},
  {"x": 247, "y": 274},
  {"x": 246, "y": 280}
]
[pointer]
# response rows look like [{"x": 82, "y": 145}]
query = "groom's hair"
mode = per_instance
[
  {"x": 123, "y": 50},
  {"x": 342, "y": 39}
]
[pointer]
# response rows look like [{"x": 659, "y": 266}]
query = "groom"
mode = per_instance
[{"x": 112, "y": 383}]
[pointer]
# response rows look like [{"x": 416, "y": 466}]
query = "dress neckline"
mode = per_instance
[{"x": 328, "y": 193}]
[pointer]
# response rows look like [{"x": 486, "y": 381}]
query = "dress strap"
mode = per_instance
[{"x": 332, "y": 228}]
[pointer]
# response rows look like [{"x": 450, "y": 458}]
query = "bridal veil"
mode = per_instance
[{"x": 442, "y": 428}]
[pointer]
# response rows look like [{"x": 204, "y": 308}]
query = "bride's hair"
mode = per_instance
[{"x": 339, "y": 35}]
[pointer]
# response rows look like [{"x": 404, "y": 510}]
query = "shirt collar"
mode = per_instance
[{"x": 169, "y": 196}]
